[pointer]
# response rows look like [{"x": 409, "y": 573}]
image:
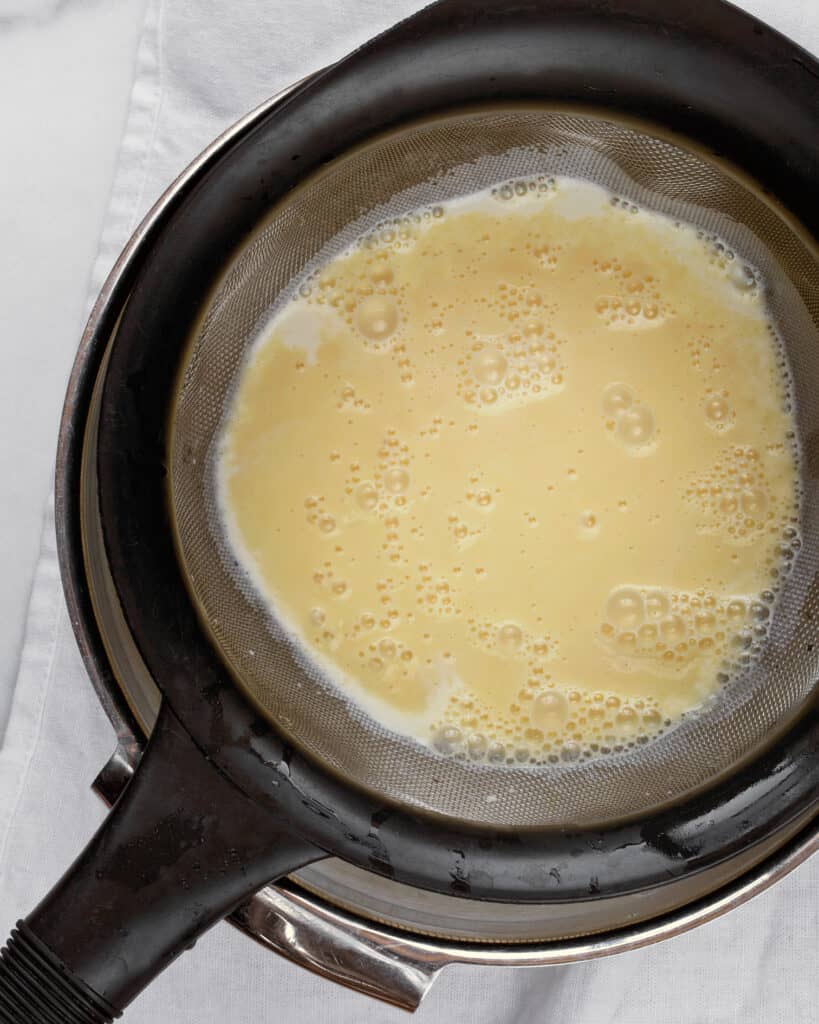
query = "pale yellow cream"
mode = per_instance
[{"x": 516, "y": 471}]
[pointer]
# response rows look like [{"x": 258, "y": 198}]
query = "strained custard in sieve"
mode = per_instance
[{"x": 517, "y": 471}]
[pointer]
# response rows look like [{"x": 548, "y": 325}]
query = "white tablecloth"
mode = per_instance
[{"x": 201, "y": 64}]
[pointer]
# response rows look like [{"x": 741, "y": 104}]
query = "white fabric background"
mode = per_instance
[{"x": 200, "y": 66}]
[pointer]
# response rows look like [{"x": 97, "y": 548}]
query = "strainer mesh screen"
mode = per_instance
[{"x": 431, "y": 161}]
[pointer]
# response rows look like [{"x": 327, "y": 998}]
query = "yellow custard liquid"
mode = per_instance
[{"x": 516, "y": 471}]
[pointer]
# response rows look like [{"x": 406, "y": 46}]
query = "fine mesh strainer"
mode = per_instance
[
  {"x": 241, "y": 784},
  {"x": 436, "y": 160}
]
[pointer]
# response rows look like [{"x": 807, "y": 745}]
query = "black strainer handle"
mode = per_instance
[{"x": 180, "y": 850}]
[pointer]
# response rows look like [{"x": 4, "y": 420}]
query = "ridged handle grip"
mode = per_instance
[{"x": 37, "y": 988}]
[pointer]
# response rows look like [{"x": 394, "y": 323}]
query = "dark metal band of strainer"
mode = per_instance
[{"x": 402, "y": 78}]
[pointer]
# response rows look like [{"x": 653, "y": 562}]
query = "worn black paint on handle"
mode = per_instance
[{"x": 180, "y": 850}]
